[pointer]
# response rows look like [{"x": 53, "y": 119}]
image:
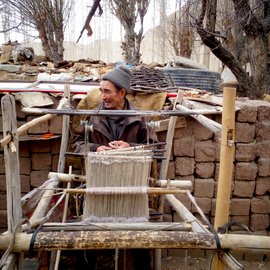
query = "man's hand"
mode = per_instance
[
  {"x": 103, "y": 148},
  {"x": 118, "y": 144}
]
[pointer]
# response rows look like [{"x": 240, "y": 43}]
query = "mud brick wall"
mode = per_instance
[{"x": 195, "y": 157}]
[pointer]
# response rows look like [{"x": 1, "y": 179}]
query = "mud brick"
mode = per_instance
[
  {"x": 183, "y": 198},
  {"x": 262, "y": 131},
  {"x": 2, "y": 165},
  {"x": 245, "y": 152},
  {"x": 253, "y": 257},
  {"x": 264, "y": 167},
  {"x": 55, "y": 126},
  {"x": 186, "y": 131},
  {"x": 55, "y": 160},
  {"x": 184, "y": 147},
  {"x": 240, "y": 207},
  {"x": 259, "y": 222},
  {"x": 205, "y": 170},
  {"x": 264, "y": 111},
  {"x": 37, "y": 178},
  {"x": 184, "y": 166},
  {"x": 213, "y": 207},
  {"x": 1, "y": 123},
  {"x": 244, "y": 132},
  {"x": 204, "y": 204},
  {"x": 171, "y": 170},
  {"x": 263, "y": 149},
  {"x": 3, "y": 201},
  {"x": 187, "y": 177},
  {"x": 24, "y": 149},
  {"x": 200, "y": 132},
  {"x": 217, "y": 152},
  {"x": 204, "y": 187},
  {"x": 55, "y": 146},
  {"x": 2, "y": 182},
  {"x": 41, "y": 147},
  {"x": 162, "y": 136},
  {"x": 167, "y": 218},
  {"x": 25, "y": 183},
  {"x": 262, "y": 185},
  {"x": 25, "y": 165},
  {"x": 3, "y": 219},
  {"x": 260, "y": 205},
  {"x": 248, "y": 113},
  {"x": 40, "y": 128},
  {"x": 205, "y": 151},
  {"x": 241, "y": 220},
  {"x": 41, "y": 161},
  {"x": 244, "y": 188},
  {"x": 246, "y": 171}
]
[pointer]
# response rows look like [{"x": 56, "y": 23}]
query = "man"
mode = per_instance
[{"x": 113, "y": 132}]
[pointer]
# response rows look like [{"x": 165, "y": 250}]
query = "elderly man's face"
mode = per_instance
[{"x": 112, "y": 98}]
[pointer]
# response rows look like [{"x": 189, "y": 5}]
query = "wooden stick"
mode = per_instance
[
  {"x": 226, "y": 163},
  {"x": 25, "y": 127},
  {"x": 208, "y": 123},
  {"x": 182, "y": 184},
  {"x": 120, "y": 190},
  {"x": 146, "y": 226},
  {"x": 83, "y": 240},
  {"x": 12, "y": 171}
]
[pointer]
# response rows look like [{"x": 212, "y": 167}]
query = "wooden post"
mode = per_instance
[
  {"x": 226, "y": 162},
  {"x": 12, "y": 170}
]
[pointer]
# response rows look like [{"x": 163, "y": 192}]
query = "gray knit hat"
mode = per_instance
[{"x": 120, "y": 76}]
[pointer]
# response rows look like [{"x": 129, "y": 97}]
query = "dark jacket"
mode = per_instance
[{"x": 105, "y": 129}]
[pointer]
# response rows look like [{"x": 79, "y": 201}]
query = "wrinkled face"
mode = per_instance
[{"x": 112, "y": 98}]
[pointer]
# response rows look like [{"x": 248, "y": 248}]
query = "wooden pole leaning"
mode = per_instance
[
  {"x": 12, "y": 170},
  {"x": 226, "y": 162}
]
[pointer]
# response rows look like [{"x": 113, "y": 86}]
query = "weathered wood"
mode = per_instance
[
  {"x": 12, "y": 169},
  {"x": 162, "y": 125},
  {"x": 208, "y": 123},
  {"x": 226, "y": 164},
  {"x": 135, "y": 239},
  {"x": 122, "y": 190},
  {"x": 149, "y": 226}
]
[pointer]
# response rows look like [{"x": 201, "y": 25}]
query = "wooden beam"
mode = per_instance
[{"x": 12, "y": 170}]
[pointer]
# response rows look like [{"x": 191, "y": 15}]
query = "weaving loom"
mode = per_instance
[{"x": 116, "y": 186}]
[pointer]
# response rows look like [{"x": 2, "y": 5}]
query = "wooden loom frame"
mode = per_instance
[{"x": 114, "y": 236}]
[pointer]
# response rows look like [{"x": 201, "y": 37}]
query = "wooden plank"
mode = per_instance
[
  {"x": 226, "y": 164},
  {"x": 163, "y": 124},
  {"x": 12, "y": 169}
]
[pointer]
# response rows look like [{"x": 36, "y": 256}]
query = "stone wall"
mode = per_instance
[{"x": 195, "y": 156}]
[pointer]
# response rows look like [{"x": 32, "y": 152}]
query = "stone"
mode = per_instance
[
  {"x": 55, "y": 146},
  {"x": 244, "y": 188},
  {"x": 55, "y": 160},
  {"x": 246, "y": 171},
  {"x": 184, "y": 147},
  {"x": 2, "y": 165},
  {"x": 183, "y": 198},
  {"x": 10, "y": 68},
  {"x": 200, "y": 132},
  {"x": 204, "y": 204},
  {"x": 244, "y": 132},
  {"x": 25, "y": 183},
  {"x": 171, "y": 170},
  {"x": 41, "y": 147},
  {"x": 264, "y": 111},
  {"x": 41, "y": 128},
  {"x": 245, "y": 152},
  {"x": 37, "y": 178},
  {"x": 205, "y": 170},
  {"x": 3, "y": 219},
  {"x": 262, "y": 185},
  {"x": 204, "y": 187},
  {"x": 240, "y": 207},
  {"x": 24, "y": 149},
  {"x": 184, "y": 166},
  {"x": 263, "y": 149},
  {"x": 2, "y": 182},
  {"x": 55, "y": 126},
  {"x": 25, "y": 165},
  {"x": 264, "y": 167},
  {"x": 3, "y": 201},
  {"x": 259, "y": 222},
  {"x": 41, "y": 161},
  {"x": 260, "y": 205},
  {"x": 247, "y": 113},
  {"x": 262, "y": 131},
  {"x": 205, "y": 151}
]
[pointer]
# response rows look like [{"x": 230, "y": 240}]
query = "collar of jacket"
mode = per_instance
[{"x": 97, "y": 120}]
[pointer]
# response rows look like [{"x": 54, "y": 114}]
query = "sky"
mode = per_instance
[{"x": 106, "y": 26}]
